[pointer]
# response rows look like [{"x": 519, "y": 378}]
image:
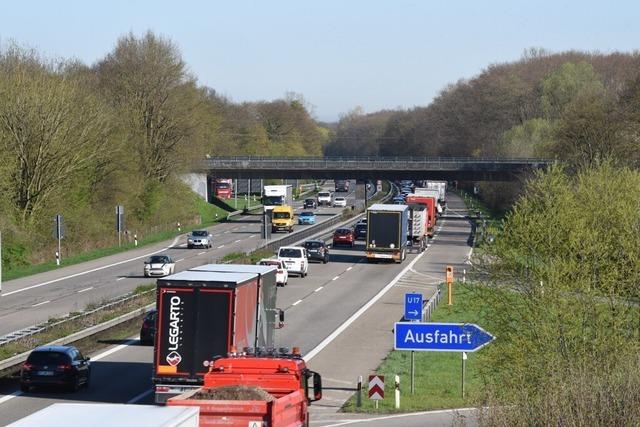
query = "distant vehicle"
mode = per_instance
[
  {"x": 398, "y": 200},
  {"x": 277, "y": 195},
  {"x": 55, "y": 365},
  {"x": 342, "y": 185},
  {"x": 295, "y": 259},
  {"x": 310, "y": 204},
  {"x": 343, "y": 236},
  {"x": 282, "y": 276},
  {"x": 387, "y": 232},
  {"x": 406, "y": 190},
  {"x": 223, "y": 188},
  {"x": 324, "y": 198},
  {"x": 159, "y": 265},
  {"x": 282, "y": 218},
  {"x": 199, "y": 238},
  {"x": 318, "y": 250},
  {"x": 148, "y": 328},
  {"x": 362, "y": 221},
  {"x": 306, "y": 218},
  {"x": 340, "y": 202},
  {"x": 360, "y": 231}
]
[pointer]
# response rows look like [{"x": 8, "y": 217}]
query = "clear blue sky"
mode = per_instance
[{"x": 338, "y": 54}]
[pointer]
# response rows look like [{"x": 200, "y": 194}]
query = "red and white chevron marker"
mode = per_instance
[{"x": 376, "y": 387}]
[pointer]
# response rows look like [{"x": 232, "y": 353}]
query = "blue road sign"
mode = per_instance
[
  {"x": 412, "y": 306},
  {"x": 465, "y": 337}
]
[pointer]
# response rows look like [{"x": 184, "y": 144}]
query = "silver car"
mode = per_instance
[
  {"x": 199, "y": 238},
  {"x": 159, "y": 265}
]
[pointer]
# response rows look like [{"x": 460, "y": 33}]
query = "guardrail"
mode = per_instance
[
  {"x": 431, "y": 305},
  {"x": 20, "y": 358}
]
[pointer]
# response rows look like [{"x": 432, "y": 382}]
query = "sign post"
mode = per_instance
[
  {"x": 376, "y": 388},
  {"x": 450, "y": 283},
  {"x": 119, "y": 223},
  {"x": 58, "y": 233},
  {"x": 413, "y": 311}
]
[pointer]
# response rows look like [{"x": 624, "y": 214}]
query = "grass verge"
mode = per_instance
[{"x": 438, "y": 375}]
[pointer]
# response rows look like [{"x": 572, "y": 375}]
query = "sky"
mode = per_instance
[{"x": 338, "y": 54}]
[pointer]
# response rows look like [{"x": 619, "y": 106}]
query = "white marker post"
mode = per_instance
[{"x": 397, "y": 391}]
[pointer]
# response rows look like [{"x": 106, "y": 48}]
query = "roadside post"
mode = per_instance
[
  {"x": 135, "y": 240},
  {"x": 359, "y": 393},
  {"x": 413, "y": 312},
  {"x": 397, "y": 391},
  {"x": 376, "y": 388},
  {"x": 58, "y": 233},
  {"x": 450, "y": 283},
  {"x": 119, "y": 223},
  {"x": 453, "y": 337}
]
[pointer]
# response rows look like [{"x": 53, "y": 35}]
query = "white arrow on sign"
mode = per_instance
[{"x": 414, "y": 312}]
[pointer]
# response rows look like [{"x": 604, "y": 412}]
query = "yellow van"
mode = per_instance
[{"x": 282, "y": 218}]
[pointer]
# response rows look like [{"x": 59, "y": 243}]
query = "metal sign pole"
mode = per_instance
[
  {"x": 464, "y": 358},
  {"x": 413, "y": 370}
]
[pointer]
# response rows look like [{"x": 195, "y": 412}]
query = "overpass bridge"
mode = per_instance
[{"x": 361, "y": 168}]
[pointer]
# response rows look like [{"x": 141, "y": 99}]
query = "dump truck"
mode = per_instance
[
  {"x": 265, "y": 388},
  {"x": 202, "y": 313},
  {"x": 386, "y": 232},
  {"x": 417, "y": 229},
  {"x": 430, "y": 202}
]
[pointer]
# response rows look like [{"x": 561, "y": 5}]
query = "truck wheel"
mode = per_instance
[{"x": 25, "y": 388}]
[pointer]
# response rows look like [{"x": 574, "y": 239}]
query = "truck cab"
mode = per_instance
[{"x": 282, "y": 219}]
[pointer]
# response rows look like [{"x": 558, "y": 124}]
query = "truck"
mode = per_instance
[
  {"x": 282, "y": 218},
  {"x": 102, "y": 414},
  {"x": 430, "y": 201},
  {"x": 277, "y": 195},
  {"x": 253, "y": 388},
  {"x": 386, "y": 232},
  {"x": 441, "y": 186},
  {"x": 205, "y": 311},
  {"x": 342, "y": 185},
  {"x": 223, "y": 188},
  {"x": 432, "y": 192},
  {"x": 417, "y": 229}
]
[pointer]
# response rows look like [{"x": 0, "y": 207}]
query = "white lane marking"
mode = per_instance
[
  {"x": 181, "y": 259},
  {"x": 41, "y": 303},
  {"x": 221, "y": 246},
  {"x": 296, "y": 303},
  {"x": 335, "y": 278},
  {"x": 319, "y": 289},
  {"x": 239, "y": 240},
  {"x": 253, "y": 235},
  {"x": 227, "y": 232},
  {"x": 349, "y": 268},
  {"x": 89, "y": 271},
  {"x": 98, "y": 357},
  {"x": 140, "y": 396},
  {"x": 389, "y": 417},
  {"x": 85, "y": 289},
  {"x": 313, "y": 353},
  {"x": 202, "y": 253},
  {"x": 120, "y": 278}
]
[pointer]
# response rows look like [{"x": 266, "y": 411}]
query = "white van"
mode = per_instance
[{"x": 295, "y": 259}]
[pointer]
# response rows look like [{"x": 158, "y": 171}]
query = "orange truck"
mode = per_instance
[
  {"x": 430, "y": 202},
  {"x": 264, "y": 388}
]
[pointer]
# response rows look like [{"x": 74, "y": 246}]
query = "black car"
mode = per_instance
[
  {"x": 148, "y": 329},
  {"x": 360, "y": 231},
  {"x": 55, "y": 365},
  {"x": 310, "y": 204},
  {"x": 318, "y": 250}
]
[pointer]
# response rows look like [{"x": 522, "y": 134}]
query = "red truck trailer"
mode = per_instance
[
  {"x": 223, "y": 188},
  {"x": 203, "y": 314},
  {"x": 265, "y": 389},
  {"x": 430, "y": 203}
]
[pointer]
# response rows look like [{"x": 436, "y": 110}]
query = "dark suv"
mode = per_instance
[
  {"x": 360, "y": 231},
  {"x": 310, "y": 204},
  {"x": 148, "y": 329},
  {"x": 55, "y": 365},
  {"x": 318, "y": 250}
]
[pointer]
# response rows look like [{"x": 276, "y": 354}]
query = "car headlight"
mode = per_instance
[
  {"x": 189, "y": 239},
  {"x": 147, "y": 267}
]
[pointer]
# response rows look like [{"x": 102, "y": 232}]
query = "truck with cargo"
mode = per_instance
[
  {"x": 441, "y": 186},
  {"x": 202, "y": 313},
  {"x": 386, "y": 232},
  {"x": 223, "y": 188},
  {"x": 430, "y": 202},
  {"x": 277, "y": 195},
  {"x": 342, "y": 185},
  {"x": 110, "y": 414},
  {"x": 417, "y": 229},
  {"x": 255, "y": 389}
]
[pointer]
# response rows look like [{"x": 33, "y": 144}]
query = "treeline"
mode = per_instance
[
  {"x": 79, "y": 139},
  {"x": 572, "y": 106}
]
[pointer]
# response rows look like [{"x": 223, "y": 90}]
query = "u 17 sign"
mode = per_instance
[{"x": 465, "y": 337}]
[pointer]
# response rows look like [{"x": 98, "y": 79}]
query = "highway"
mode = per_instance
[
  {"x": 35, "y": 299},
  {"x": 316, "y": 306}
]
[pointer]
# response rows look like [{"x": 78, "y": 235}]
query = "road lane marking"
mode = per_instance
[
  {"x": 349, "y": 268},
  {"x": 181, "y": 259},
  {"x": 85, "y": 289},
  {"x": 335, "y": 278},
  {"x": 120, "y": 278},
  {"x": 41, "y": 303},
  {"x": 89, "y": 271},
  {"x": 202, "y": 253},
  {"x": 221, "y": 246},
  {"x": 239, "y": 240},
  {"x": 314, "y": 352},
  {"x": 453, "y": 412},
  {"x": 140, "y": 396},
  {"x": 296, "y": 303},
  {"x": 319, "y": 289}
]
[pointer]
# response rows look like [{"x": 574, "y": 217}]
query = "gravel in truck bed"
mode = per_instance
[{"x": 235, "y": 392}]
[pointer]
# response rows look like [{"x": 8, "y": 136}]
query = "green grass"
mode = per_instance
[{"x": 438, "y": 383}]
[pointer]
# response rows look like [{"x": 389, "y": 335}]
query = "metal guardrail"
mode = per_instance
[
  {"x": 385, "y": 159},
  {"x": 431, "y": 305}
]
